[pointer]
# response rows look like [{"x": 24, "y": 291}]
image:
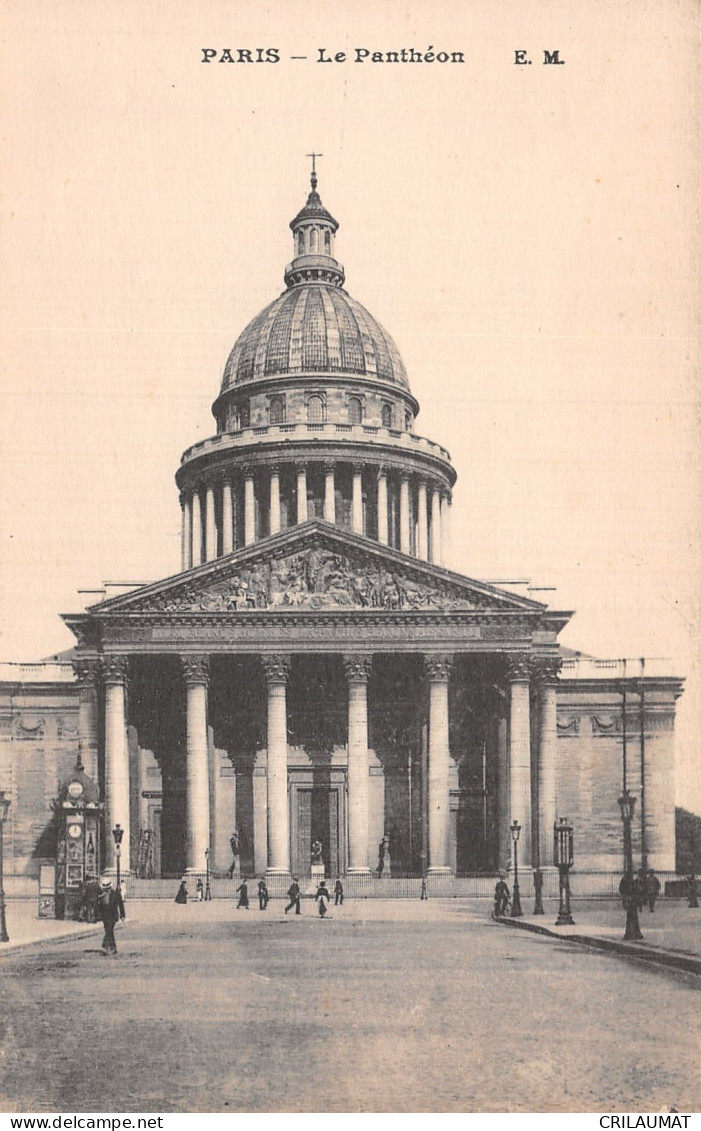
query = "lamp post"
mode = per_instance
[
  {"x": 516, "y": 912},
  {"x": 564, "y": 857},
  {"x": 118, "y": 833},
  {"x": 627, "y": 885},
  {"x": 207, "y": 888},
  {"x": 4, "y": 810}
]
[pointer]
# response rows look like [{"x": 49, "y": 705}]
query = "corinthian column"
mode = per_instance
[
  {"x": 546, "y": 676},
  {"x": 86, "y": 673},
  {"x": 518, "y": 675},
  {"x": 357, "y": 671},
  {"x": 276, "y": 670},
  {"x": 196, "y": 673},
  {"x": 114, "y": 672},
  {"x": 210, "y": 526},
  {"x": 438, "y": 672},
  {"x": 185, "y": 532}
]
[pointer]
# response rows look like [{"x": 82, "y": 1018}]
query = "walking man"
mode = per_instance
[
  {"x": 263, "y": 896},
  {"x": 111, "y": 910},
  {"x": 294, "y": 893},
  {"x": 338, "y": 892},
  {"x": 502, "y": 895},
  {"x": 652, "y": 888}
]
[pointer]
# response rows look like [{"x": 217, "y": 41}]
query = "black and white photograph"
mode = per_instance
[{"x": 350, "y": 683}]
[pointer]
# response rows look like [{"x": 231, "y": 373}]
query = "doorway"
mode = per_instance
[{"x": 317, "y": 814}]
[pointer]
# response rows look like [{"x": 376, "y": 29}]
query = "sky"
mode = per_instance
[{"x": 528, "y": 234}]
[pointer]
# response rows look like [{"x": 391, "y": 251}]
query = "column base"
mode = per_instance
[
  {"x": 438, "y": 870},
  {"x": 283, "y": 873},
  {"x": 358, "y": 870}
]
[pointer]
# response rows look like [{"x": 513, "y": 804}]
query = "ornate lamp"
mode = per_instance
[
  {"x": 516, "y": 912},
  {"x": 118, "y": 833},
  {"x": 4, "y": 810},
  {"x": 564, "y": 858},
  {"x": 627, "y": 885}
]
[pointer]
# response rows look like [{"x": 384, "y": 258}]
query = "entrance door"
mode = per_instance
[{"x": 317, "y": 811}]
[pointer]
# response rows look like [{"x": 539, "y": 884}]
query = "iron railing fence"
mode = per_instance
[{"x": 583, "y": 885}]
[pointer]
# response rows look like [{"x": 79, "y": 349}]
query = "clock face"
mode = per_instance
[
  {"x": 75, "y": 789},
  {"x": 74, "y": 831}
]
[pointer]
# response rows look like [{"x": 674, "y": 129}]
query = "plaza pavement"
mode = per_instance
[
  {"x": 672, "y": 932},
  {"x": 388, "y": 1006}
]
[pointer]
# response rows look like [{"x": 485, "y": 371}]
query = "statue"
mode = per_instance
[
  {"x": 235, "y": 842},
  {"x": 384, "y": 867},
  {"x": 316, "y": 852}
]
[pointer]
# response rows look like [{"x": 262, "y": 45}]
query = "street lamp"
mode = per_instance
[
  {"x": 118, "y": 833},
  {"x": 516, "y": 912},
  {"x": 207, "y": 888},
  {"x": 4, "y": 810},
  {"x": 564, "y": 857},
  {"x": 627, "y": 885}
]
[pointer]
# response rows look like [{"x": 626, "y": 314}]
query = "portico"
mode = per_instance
[{"x": 319, "y": 687}]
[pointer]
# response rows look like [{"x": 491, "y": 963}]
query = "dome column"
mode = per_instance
[
  {"x": 330, "y": 492},
  {"x": 227, "y": 517},
  {"x": 436, "y": 539},
  {"x": 404, "y": 516},
  {"x": 438, "y": 671},
  {"x": 422, "y": 522},
  {"x": 275, "y": 516},
  {"x": 445, "y": 530},
  {"x": 382, "y": 511},
  {"x": 357, "y": 669},
  {"x": 357, "y": 501},
  {"x": 301, "y": 492},
  {"x": 185, "y": 532},
  {"x": 249, "y": 507},
  {"x": 210, "y": 527},
  {"x": 196, "y": 529},
  {"x": 277, "y": 669}
]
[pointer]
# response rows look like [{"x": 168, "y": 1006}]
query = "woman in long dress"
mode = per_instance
[
  {"x": 181, "y": 897},
  {"x": 322, "y": 897}
]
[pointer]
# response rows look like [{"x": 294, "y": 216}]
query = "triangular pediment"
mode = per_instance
[{"x": 316, "y": 567}]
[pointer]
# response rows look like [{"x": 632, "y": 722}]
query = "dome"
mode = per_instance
[{"x": 314, "y": 328}]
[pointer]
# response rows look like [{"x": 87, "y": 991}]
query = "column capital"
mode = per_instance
[
  {"x": 274, "y": 469},
  {"x": 357, "y": 666},
  {"x": 195, "y": 668},
  {"x": 248, "y": 471},
  {"x": 438, "y": 666},
  {"x": 114, "y": 669},
  {"x": 329, "y": 466},
  {"x": 300, "y": 465},
  {"x": 519, "y": 667},
  {"x": 86, "y": 671},
  {"x": 546, "y": 669},
  {"x": 276, "y": 667}
]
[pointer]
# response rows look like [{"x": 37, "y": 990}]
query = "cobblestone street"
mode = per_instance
[{"x": 399, "y": 1006}]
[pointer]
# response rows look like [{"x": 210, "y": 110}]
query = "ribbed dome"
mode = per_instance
[{"x": 314, "y": 328}]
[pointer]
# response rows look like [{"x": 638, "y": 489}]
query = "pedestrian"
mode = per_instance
[
  {"x": 652, "y": 888},
  {"x": 294, "y": 893},
  {"x": 692, "y": 891},
  {"x": 181, "y": 897},
  {"x": 263, "y": 896},
  {"x": 424, "y": 889},
  {"x": 322, "y": 897},
  {"x": 111, "y": 910},
  {"x": 199, "y": 890},
  {"x": 242, "y": 889},
  {"x": 338, "y": 892},
  {"x": 502, "y": 897},
  {"x": 640, "y": 887}
]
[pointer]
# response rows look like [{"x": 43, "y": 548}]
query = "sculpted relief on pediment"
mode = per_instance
[{"x": 315, "y": 579}]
